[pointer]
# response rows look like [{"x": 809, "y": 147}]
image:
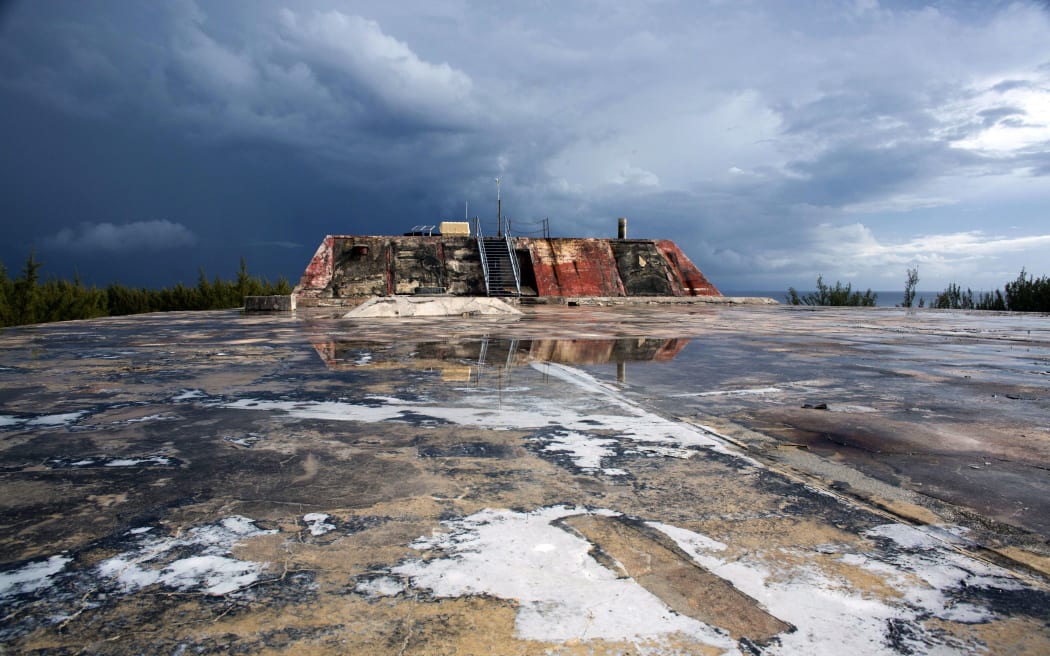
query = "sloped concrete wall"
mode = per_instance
[
  {"x": 574, "y": 267},
  {"x": 612, "y": 267},
  {"x": 690, "y": 281}
]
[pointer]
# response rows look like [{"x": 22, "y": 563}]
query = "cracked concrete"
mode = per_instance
[{"x": 580, "y": 480}]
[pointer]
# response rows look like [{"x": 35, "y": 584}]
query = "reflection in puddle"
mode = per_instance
[{"x": 464, "y": 361}]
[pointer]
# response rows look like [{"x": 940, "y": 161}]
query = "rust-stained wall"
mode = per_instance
[
  {"x": 355, "y": 267},
  {"x": 690, "y": 281},
  {"x": 574, "y": 267},
  {"x": 319, "y": 271},
  {"x": 346, "y": 269}
]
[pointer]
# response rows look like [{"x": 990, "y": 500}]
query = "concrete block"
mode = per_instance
[{"x": 284, "y": 303}]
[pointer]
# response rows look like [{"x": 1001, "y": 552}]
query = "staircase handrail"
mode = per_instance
[
  {"x": 484, "y": 257},
  {"x": 513, "y": 257}
]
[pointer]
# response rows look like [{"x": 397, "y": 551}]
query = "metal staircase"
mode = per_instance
[{"x": 499, "y": 264}]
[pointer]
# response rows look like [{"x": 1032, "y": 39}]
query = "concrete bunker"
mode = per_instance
[{"x": 348, "y": 269}]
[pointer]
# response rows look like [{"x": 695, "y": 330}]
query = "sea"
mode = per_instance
[{"x": 885, "y": 299}]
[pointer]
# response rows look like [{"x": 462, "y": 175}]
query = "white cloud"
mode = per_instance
[
  {"x": 377, "y": 64},
  {"x": 858, "y": 241},
  {"x": 157, "y": 235},
  {"x": 898, "y": 203},
  {"x": 632, "y": 175},
  {"x": 854, "y": 252},
  {"x": 974, "y": 243},
  {"x": 1028, "y": 126}
]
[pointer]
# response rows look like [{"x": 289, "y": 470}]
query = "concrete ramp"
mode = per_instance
[{"x": 399, "y": 307}]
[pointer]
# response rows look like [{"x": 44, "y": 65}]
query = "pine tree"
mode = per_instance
[
  {"x": 6, "y": 292},
  {"x": 26, "y": 294}
]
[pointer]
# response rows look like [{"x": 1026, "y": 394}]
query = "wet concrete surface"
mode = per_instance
[{"x": 570, "y": 481}]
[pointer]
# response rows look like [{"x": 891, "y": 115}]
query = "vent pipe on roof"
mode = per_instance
[{"x": 621, "y": 232}]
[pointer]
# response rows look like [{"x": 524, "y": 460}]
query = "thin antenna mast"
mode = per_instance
[{"x": 499, "y": 212}]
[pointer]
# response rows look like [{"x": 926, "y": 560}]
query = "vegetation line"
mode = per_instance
[
  {"x": 1025, "y": 294},
  {"x": 28, "y": 299}
]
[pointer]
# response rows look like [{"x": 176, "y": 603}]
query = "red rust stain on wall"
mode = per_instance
[
  {"x": 319, "y": 270},
  {"x": 670, "y": 349},
  {"x": 574, "y": 267},
  {"x": 689, "y": 280}
]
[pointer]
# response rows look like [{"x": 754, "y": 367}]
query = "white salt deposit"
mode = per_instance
[
  {"x": 589, "y": 426},
  {"x": 907, "y": 537},
  {"x": 383, "y": 586},
  {"x": 941, "y": 568},
  {"x": 248, "y": 441},
  {"x": 562, "y": 592},
  {"x": 328, "y": 410},
  {"x": 32, "y": 576},
  {"x": 158, "y": 417},
  {"x": 188, "y": 395},
  {"x": 136, "y": 462},
  {"x": 61, "y": 419},
  {"x": 694, "y": 544},
  {"x": 56, "y": 420},
  {"x": 210, "y": 569},
  {"x": 832, "y": 619},
  {"x": 217, "y": 575},
  {"x": 318, "y": 523},
  {"x": 585, "y": 451},
  {"x": 736, "y": 392},
  {"x": 565, "y": 595}
]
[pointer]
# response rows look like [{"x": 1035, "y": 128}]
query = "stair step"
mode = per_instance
[{"x": 501, "y": 280}]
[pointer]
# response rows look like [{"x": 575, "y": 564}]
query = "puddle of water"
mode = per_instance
[{"x": 920, "y": 379}]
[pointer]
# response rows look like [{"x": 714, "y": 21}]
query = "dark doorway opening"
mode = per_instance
[{"x": 528, "y": 274}]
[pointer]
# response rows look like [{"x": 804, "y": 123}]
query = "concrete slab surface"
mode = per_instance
[{"x": 672, "y": 479}]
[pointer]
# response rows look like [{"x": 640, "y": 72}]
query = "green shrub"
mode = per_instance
[
  {"x": 837, "y": 295},
  {"x": 1028, "y": 294}
]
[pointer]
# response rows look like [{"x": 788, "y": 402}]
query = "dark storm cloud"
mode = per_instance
[
  {"x": 851, "y": 173},
  {"x": 734, "y": 128}
]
